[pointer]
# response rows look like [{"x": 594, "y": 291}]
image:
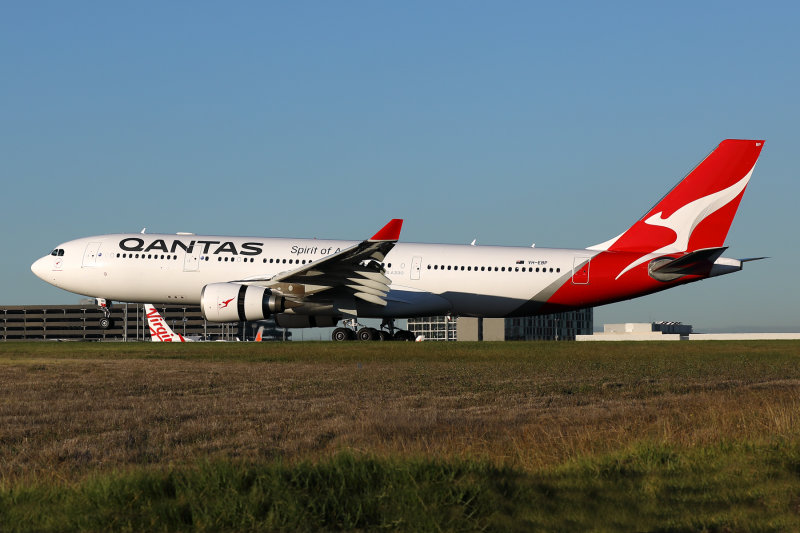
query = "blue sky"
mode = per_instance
[{"x": 509, "y": 122}]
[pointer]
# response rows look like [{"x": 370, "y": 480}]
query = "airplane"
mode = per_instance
[
  {"x": 161, "y": 332},
  {"x": 159, "y": 329},
  {"x": 318, "y": 283}
]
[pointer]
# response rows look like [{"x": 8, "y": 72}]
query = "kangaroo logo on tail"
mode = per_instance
[{"x": 698, "y": 212}]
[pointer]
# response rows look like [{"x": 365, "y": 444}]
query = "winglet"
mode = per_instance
[{"x": 390, "y": 232}]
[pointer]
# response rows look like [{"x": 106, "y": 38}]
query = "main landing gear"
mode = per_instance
[{"x": 388, "y": 332}]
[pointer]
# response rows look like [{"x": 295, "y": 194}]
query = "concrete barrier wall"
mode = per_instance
[
  {"x": 629, "y": 337},
  {"x": 743, "y": 336}
]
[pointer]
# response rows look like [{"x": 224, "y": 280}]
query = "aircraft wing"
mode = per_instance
[{"x": 355, "y": 270}]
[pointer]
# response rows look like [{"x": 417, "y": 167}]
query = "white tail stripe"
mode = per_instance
[{"x": 684, "y": 221}]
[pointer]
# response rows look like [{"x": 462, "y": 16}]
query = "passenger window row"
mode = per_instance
[
  {"x": 290, "y": 261},
  {"x": 451, "y": 268},
  {"x": 493, "y": 269},
  {"x": 205, "y": 258},
  {"x": 201, "y": 258},
  {"x": 147, "y": 256}
]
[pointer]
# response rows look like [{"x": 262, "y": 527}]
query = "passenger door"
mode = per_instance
[
  {"x": 416, "y": 266},
  {"x": 90, "y": 255},
  {"x": 580, "y": 270}
]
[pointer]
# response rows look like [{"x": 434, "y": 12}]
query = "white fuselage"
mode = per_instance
[{"x": 426, "y": 278}]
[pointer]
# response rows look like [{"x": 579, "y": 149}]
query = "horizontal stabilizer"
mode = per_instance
[{"x": 697, "y": 263}]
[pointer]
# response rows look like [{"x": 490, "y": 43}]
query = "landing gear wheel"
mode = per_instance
[
  {"x": 366, "y": 334},
  {"x": 341, "y": 334},
  {"x": 105, "y": 323},
  {"x": 383, "y": 336},
  {"x": 403, "y": 335}
]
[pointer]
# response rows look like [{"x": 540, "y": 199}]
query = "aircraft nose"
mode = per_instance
[{"x": 39, "y": 268}]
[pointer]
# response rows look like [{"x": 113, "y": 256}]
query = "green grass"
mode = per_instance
[
  {"x": 400, "y": 436},
  {"x": 734, "y": 487},
  {"x": 546, "y": 352}
]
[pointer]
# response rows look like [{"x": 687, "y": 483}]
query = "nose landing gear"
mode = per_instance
[{"x": 105, "y": 322}]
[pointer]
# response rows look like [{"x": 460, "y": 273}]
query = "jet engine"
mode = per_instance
[{"x": 233, "y": 302}]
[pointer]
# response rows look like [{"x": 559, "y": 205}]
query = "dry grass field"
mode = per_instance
[{"x": 71, "y": 412}]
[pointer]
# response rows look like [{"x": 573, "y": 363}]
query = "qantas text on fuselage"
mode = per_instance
[
  {"x": 315, "y": 282},
  {"x": 210, "y": 247}
]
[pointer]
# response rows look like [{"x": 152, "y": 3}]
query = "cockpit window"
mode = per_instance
[{"x": 58, "y": 252}]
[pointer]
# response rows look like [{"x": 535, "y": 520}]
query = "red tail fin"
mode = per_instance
[
  {"x": 698, "y": 212},
  {"x": 159, "y": 330}
]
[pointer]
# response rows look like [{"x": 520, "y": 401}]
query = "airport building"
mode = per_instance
[
  {"x": 640, "y": 331},
  {"x": 129, "y": 323},
  {"x": 434, "y": 328},
  {"x": 558, "y": 326},
  {"x": 673, "y": 331}
]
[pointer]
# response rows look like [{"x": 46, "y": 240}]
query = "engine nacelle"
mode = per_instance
[
  {"x": 233, "y": 302},
  {"x": 306, "y": 321}
]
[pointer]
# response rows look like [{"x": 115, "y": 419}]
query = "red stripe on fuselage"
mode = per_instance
[{"x": 604, "y": 287}]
